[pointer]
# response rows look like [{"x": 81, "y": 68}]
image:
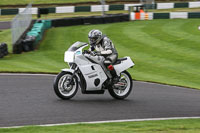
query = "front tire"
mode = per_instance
[
  {"x": 122, "y": 92},
  {"x": 63, "y": 88}
]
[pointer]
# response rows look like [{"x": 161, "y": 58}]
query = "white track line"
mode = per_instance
[{"x": 110, "y": 121}]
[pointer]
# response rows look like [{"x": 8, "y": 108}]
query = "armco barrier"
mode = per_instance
[
  {"x": 116, "y": 7},
  {"x": 99, "y": 8},
  {"x": 161, "y": 16},
  {"x": 194, "y": 4},
  {"x": 90, "y": 20},
  {"x": 82, "y": 9},
  {"x": 42, "y": 11},
  {"x": 65, "y": 9},
  {"x": 193, "y": 15},
  {"x": 183, "y": 15},
  {"x": 9, "y": 11},
  {"x": 49, "y": 9},
  {"x": 165, "y": 5},
  {"x": 172, "y": 15},
  {"x": 181, "y": 5}
]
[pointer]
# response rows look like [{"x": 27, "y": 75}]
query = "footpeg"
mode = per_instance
[{"x": 119, "y": 84}]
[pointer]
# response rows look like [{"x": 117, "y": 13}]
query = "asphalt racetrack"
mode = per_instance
[{"x": 30, "y": 100}]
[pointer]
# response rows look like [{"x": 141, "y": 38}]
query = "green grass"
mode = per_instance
[
  {"x": 24, "y": 2},
  {"x": 167, "y": 126},
  {"x": 165, "y": 51}
]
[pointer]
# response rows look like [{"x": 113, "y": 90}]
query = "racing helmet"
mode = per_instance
[{"x": 94, "y": 37}]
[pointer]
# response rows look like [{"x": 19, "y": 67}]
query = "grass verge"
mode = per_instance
[
  {"x": 23, "y": 2},
  {"x": 165, "y": 51},
  {"x": 164, "y": 126}
]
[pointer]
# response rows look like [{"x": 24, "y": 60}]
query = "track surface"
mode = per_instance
[
  {"x": 5, "y": 25},
  {"x": 30, "y": 100}
]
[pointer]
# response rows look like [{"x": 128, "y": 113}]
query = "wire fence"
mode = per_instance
[{"x": 20, "y": 23}]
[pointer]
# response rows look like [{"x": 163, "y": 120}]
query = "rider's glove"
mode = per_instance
[
  {"x": 92, "y": 48},
  {"x": 95, "y": 53},
  {"x": 98, "y": 53},
  {"x": 92, "y": 53},
  {"x": 87, "y": 52}
]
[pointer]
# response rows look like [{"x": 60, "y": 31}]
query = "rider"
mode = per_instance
[{"x": 103, "y": 47}]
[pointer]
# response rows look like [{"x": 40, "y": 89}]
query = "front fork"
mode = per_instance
[{"x": 75, "y": 68}]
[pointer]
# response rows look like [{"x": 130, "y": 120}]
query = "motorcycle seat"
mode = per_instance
[{"x": 118, "y": 61}]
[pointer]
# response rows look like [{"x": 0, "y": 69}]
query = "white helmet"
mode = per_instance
[{"x": 94, "y": 37}]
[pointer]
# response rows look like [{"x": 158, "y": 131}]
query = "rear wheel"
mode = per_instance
[
  {"x": 123, "y": 88},
  {"x": 62, "y": 86}
]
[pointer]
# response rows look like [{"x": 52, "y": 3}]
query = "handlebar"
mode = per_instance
[
  {"x": 86, "y": 52},
  {"x": 91, "y": 53}
]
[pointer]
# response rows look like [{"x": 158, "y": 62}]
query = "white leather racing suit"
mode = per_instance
[{"x": 106, "y": 48}]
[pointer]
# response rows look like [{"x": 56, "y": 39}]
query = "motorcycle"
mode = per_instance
[{"x": 88, "y": 73}]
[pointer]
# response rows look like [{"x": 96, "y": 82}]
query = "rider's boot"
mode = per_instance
[{"x": 115, "y": 78}]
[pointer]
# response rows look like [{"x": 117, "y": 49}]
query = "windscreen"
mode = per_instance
[{"x": 76, "y": 46}]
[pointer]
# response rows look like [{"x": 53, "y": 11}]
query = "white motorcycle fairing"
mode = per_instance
[
  {"x": 93, "y": 73},
  {"x": 68, "y": 70},
  {"x": 123, "y": 65}
]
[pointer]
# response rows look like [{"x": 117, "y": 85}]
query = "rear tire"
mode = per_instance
[
  {"x": 122, "y": 93},
  {"x": 64, "y": 90}
]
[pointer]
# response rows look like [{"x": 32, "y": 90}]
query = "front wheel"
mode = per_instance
[
  {"x": 123, "y": 88},
  {"x": 63, "y": 88}
]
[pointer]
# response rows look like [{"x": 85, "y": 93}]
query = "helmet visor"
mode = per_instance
[{"x": 92, "y": 40}]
